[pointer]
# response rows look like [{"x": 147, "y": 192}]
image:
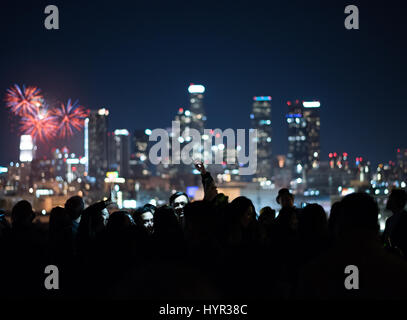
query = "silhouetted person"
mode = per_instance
[
  {"x": 266, "y": 222},
  {"x": 242, "y": 224},
  {"x": 334, "y": 217},
  {"x": 60, "y": 235},
  {"x": 91, "y": 240},
  {"x": 22, "y": 215},
  {"x": 313, "y": 229},
  {"x": 168, "y": 235},
  {"x": 92, "y": 224},
  {"x": 395, "y": 232},
  {"x": 74, "y": 206},
  {"x": 241, "y": 248},
  {"x": 285, "y": 198},
  {"x": 120, "y": 239},
  {"x": 381, "y": 275},
  {"x": 26, "y": 253}
]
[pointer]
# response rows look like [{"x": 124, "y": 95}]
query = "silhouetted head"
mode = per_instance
[
  {"x": 287, "y": 218},
  {"x": 59, "y": 220},
  {"x": 397, "y": 200},
  {"x": 165, "y": 220},
  {"x": 118, "y": 222},
  {"x": 200, "y": 221},
  {"x": 144, "y": 217},
  {"x": 242, "y": 211},
  {"x": 285, "y": 198},
  {"x": 358, "y": 211},
  {"x": 22, "y": 214},
  {"x": 314, "y": 220},
  {"x": 334, "y": 217},
  {"x": 74, "y": 207},
  {"x": 267, "y": 215},
  {"x": 178, "y": 201},
  {"x": 93, "y": 220}
]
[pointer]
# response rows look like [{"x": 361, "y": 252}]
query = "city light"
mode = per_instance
[
  {"x": 196, "y": 88},
  {"x": 103, "y": 112},
  {"x": 121, "y": 132},
  {"x": 311, "y": 104},
  {"x": 262, "y": 98}
]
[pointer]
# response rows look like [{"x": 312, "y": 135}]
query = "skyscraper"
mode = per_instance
[
  {"x": 192, "y": 118},
  {"x": 261, "y": 120},
  {"x": 303, "y": 135},
  {"x": 27, "y": 148},
  {"x": 119, "y": 152},
  {"x": 401, "y": 165},
  {"x": 312, "y": 118},
  {"x": 197, "y": 111},
  {"x": 96, "y": 144},
  {"x": 138, "y": 163}
]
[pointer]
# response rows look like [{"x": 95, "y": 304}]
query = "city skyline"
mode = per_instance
[{"x": 110, "y": 129}]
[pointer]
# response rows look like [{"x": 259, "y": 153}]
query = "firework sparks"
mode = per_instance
[
  {"x": 41, "y": 125},
  {"x": 70, "y": 117},
  {"x": 23, "y": 102}
]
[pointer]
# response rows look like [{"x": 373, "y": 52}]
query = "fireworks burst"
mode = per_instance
[
  {"x": 25, "y": 101},
  {"x": 42, "y": 125},
  {"x": 70, "y": 117}
]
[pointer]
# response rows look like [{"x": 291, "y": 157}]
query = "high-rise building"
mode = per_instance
[
  {"x": 303, "y": 135},
  {"x": 138, "y": 162},
  {"x": 261, "y": 120},
  {"x": 119, "y": 152},
  {"x": 27, "y": 148},
  {"x": 401, "y": 164},
  {"x": 197, "y": 111},
  {"x": 313, "y": 120},
  {"x": 96, "y": 145},
  {"x": 189, "y": 118}
]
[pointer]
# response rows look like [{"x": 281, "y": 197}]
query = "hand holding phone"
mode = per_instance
[{"x": 200, "y": 167}]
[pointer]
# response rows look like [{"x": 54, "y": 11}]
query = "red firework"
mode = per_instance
[
  {"x": 70, "y": 117},
  {"x": 41, "y": 125},
  {"x": 25, "y": 101}
]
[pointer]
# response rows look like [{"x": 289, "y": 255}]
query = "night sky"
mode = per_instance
[{"x": 137, "y": 58}]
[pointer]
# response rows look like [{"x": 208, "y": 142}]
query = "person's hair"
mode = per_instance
[
  {"x": 283, "y": 192},
  {"x": 238, "y": 207},
  {"x": 200, "y": 215},
  {"x": 399, "y": 198},
  {"x": 358, "y": 211},
  {"x": 314, "y": 219},
  {"x": 137, "y": 214},
  {"x": 165, "y": 221},
  {"x": 58, "y": 220},
  {"x": 22, "y": 213},
  {"x": 118, "y": 222},
  {"x": 91, "y": 222},
  {"x": 176, "y": 195},
  {"x": 334, "y": 216},
  {"x": 74, "y": 206},
  {"x": 267, "y": 213},
  {"x": 285, "y": 216}
]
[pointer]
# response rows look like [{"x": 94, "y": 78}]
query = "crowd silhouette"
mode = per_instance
[{"x": 208, "y": 249}]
